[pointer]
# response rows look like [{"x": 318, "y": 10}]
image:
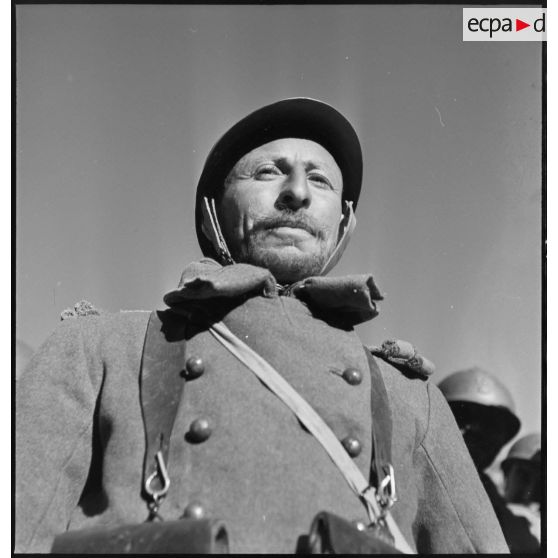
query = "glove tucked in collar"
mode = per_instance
[{"x": 351, "y": 297}]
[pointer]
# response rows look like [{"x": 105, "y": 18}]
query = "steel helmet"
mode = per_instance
[
  {"x": 527, "y": 448},
  {"x": 476, "y": 386},
  {"x": 298, "y": 117}
]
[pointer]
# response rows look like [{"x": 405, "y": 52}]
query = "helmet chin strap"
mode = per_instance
[
  {"x": 346, "y": 227},
  {"x": 212, "y": 230}
]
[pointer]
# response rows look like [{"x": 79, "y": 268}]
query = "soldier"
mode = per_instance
[
  {"x": 279, "y": 412},
  {"x": 522, "y": 474},
  {"x": 485, "y": 413}
]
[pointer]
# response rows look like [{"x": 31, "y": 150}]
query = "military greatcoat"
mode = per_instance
[{"x": 80, "y": 438}]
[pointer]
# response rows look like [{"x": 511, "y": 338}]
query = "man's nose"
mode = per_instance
[{"x": 295, "y": 193}]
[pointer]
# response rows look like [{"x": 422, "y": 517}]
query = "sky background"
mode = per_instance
[{"x": 118, "y": 106}]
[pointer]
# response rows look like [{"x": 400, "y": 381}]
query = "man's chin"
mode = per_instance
[
  {"x": 287, "y": 263},
  {"x": 287, "y": 251}
]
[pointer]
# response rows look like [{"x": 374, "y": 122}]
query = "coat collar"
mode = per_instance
[{"x": 351, "y": 297}]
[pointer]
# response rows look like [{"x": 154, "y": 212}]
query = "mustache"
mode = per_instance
[{"x": 290, "y": 220}]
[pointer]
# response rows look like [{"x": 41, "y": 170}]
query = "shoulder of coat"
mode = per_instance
[{"x": 405, "y": 357}]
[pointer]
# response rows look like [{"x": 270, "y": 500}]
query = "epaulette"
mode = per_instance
[
  {"x": 404, "y": 357},
  {"x": 80, "y": 309}
]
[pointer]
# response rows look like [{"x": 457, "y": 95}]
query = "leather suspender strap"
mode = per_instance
[
  {"x": 381, "y": 471},
  {"x": 161, "y": 387}
]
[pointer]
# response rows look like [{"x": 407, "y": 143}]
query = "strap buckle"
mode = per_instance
[
  {"x": 370, "y": 498},
  {"x": 380, "y": 500}
]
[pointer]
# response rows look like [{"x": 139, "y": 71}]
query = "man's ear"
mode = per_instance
[{"x": 346, "y": 228}]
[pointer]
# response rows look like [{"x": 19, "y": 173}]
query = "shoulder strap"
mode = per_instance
[
  {"x": 405, "y": 357},
  {"x": 382, "y": 424},
  {"x": 316, "y": 426},
  {"x": 161, "y": 387}
]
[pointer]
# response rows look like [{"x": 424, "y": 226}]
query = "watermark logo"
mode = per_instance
[{"x": 504, "y": 24}]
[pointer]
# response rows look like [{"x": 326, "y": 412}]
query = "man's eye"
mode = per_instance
[
  {"x": 320, "y": 180},
  {"x": 267, "y": 171}
]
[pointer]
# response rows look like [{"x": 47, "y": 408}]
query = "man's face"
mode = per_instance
[
  {"x": 523, "y": 482},
  {"x": 281, "y": 208},
  {"x": 483, "y": 428}
]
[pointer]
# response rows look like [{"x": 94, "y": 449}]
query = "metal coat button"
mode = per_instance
[
  {"x": 352, "y": 446},
  {"x": 352, "y": 376},
  {"x": 199, "y": 431},
  {"x": 194, "y": 510},
  {"x": 359, "y": 525},
  {"x": 194, "y": 367}
]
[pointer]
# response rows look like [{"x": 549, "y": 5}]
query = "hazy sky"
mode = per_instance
[{"x": 118, "y": 107}]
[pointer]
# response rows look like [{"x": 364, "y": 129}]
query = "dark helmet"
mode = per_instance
[{"x": 297, "y": 117}]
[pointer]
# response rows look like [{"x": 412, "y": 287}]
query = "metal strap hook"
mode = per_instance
[
  {"x": 157, "y": 494},
  {"x": 387, "y": 495}
]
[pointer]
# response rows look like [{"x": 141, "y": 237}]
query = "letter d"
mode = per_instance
[{"x": 541, "y": 20}]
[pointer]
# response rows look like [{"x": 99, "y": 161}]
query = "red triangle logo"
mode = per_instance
[{"x": 519, "y": 25}]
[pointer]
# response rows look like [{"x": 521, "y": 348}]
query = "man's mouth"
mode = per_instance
[
  {"x": 292, "y": 231},
  {"x": 289, "y": 226}
]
